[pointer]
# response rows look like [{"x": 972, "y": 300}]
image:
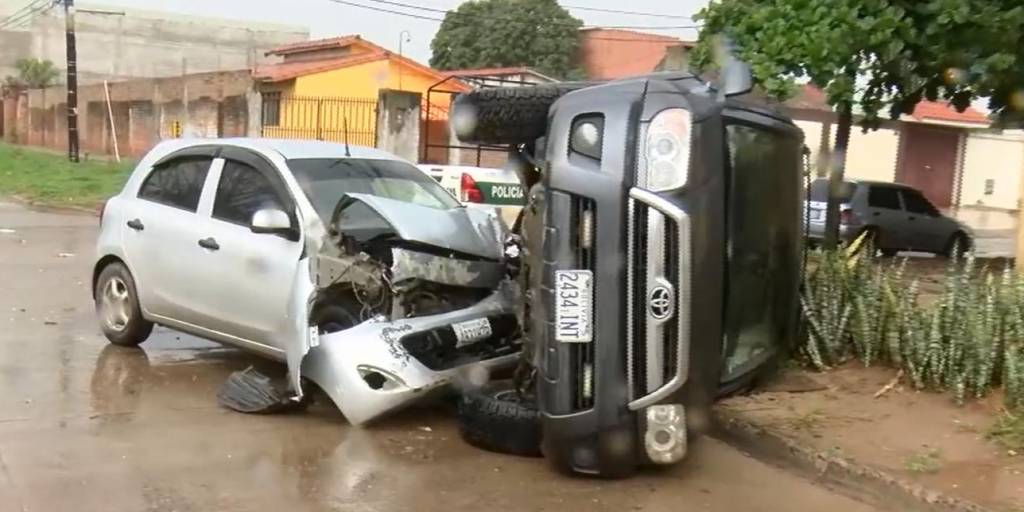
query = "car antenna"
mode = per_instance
[{"x": 348, "y": 152}]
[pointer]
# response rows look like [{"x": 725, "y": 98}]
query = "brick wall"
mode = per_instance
[{"x": 143, "y": 112}]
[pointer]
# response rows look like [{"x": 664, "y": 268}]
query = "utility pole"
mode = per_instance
[
  {"x": 69, "y": 21},
  {"x": 403, "y": 36}
]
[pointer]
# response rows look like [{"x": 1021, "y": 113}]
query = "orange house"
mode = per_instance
[{"x": 327, "y": 88}]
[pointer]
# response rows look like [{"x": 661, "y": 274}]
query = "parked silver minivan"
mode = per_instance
[{"x": 899, "y": 217}]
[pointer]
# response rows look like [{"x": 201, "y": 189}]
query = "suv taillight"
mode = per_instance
[
  {"x": 470, "y": 192},
  {"x": 845, "y": 216}
]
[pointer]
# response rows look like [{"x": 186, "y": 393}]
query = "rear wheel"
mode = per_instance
[
  {"x": 496, "y": 418},
  {"x": 117, "y": 304}
]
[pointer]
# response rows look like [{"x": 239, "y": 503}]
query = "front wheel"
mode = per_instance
[
  {"x": 117, "y": 304},
  {"x": 496, "y": 418}
]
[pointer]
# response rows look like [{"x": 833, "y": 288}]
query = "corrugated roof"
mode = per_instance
[
  {"x": 316, "y": 44},
  {"x": 607, "y": 54},
  {"x": 290, "y": 70}
]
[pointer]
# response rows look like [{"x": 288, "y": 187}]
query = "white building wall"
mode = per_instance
[
  {"x": 995, "y": 157},
  {"x": 872, "y": 155}
]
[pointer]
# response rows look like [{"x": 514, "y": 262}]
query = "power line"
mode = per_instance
[
  {"x": 464, "y": 15},
  {"x": 26, "y": 14},
  {"x": 631, "y": 13}
]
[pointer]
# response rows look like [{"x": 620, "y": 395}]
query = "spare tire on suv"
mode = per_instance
[
  {"x": 496, "y": 418},
  {"x": 507, "y": 115}
]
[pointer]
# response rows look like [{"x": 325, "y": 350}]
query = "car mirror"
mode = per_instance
[{"x": 271, "y": 221}]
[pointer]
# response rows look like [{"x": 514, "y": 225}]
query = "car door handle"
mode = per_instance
[
  {"x": 209, "y": 243},
  {"x": 911, "y": 218},
  {"x": 136, "y": 224},
  {"x": 876, "y": 214}
]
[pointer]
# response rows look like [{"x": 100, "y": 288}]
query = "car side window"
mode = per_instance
[
  {"x": 177, "y": 183},
  {"x": 243, "y": 191},
  {"x": 917, "y": 203},
  {"x": 884, "y": 197}
]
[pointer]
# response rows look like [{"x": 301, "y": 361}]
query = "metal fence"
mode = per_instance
[{"x": 352, "y": 120}]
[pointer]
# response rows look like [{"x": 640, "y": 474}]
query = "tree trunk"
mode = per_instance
[{"x": 835, "y": 179}]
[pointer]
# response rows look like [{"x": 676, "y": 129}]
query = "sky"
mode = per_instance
[{"x": 326, "y": 18}]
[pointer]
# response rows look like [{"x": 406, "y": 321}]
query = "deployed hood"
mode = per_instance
[{"x": 465, "y": 230}]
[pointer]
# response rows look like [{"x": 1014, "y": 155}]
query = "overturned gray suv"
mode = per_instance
[{"x": 660, "y": 256}]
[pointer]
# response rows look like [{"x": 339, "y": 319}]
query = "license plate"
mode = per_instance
[
  {"x": 471, "y": 331},
  {"x": 574, "y": 295}
]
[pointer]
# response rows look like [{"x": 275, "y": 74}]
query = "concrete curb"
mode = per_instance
[
  {"x": 54, "y": 208},
  {"x": 858, "y": 481}
]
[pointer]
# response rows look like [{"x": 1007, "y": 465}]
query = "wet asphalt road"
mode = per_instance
[{"x": 85, "y": 426}]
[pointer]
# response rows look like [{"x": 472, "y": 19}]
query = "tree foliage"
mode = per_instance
[
  {"x": 497, "y": 33},
  {"x": 32, "y": 74},
  {"x": 882, "y": 55}
]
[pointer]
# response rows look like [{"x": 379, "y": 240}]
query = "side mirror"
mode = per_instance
[
  {"x": 272, "y": 221},
  {"x": 736, "y": 75}
]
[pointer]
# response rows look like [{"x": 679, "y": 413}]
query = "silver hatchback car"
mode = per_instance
[
  {"x": 899, "y": 217},
  {"x": 351, "y": 265}
]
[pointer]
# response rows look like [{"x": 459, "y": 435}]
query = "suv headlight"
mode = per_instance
[{"x": 667, "y": 150}]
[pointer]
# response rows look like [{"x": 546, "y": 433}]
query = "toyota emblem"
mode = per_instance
[{"x": 661, "y": 303}]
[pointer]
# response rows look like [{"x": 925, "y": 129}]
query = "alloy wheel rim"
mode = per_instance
[{"x": 115, "y": 304}]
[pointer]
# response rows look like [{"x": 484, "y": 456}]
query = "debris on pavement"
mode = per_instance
[
  {"x": 250, "y": 391},
  {"x": 65, "y": 255},
  {"x": 7, "y": 231},
  {"x": 49, "y": 322}
]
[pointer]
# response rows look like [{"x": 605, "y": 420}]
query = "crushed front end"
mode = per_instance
[{"x": 409, "y": 301}]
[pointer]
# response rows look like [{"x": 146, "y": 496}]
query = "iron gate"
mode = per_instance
[
  {"x": 352, "y": 120},
  {"x": 438, "y": 144}
]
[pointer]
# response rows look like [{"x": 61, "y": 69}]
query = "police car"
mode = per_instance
[{"x": 481, "y": 186}]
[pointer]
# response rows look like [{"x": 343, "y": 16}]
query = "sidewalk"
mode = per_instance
[{"x": 904, "y": 450}]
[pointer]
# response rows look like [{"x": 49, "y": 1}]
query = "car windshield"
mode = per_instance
[
  {"x": 326, "y": 180},
  {"x": 819, "y": 191}
]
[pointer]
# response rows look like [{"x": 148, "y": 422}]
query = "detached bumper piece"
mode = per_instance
[{"x": 251, "y": 392}]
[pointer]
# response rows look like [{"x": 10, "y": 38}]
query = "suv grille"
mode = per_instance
[{"x": 657, "y": 299}]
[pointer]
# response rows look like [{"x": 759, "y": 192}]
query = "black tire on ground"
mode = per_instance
[
  {"x": 130, "y": 328},
  {"x": 495, "y": 419},
  {"x": 507, "y": 115},
  {"x": 959, "y": 242}
]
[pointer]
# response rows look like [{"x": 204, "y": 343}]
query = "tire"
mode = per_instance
[
  {"x": 959, "y": 242},
  {"x": 117, "y": 304},
  {"x": 493, "y": 418},
  {"x": 333, "y": 318},
  {"x": 507, "y": 115}
]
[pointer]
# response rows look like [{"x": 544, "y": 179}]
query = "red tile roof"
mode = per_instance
[
  {"x": 317, "y": 44},
  {"x": 944, "y": 112},
  {"x": 290, "y": 70},
  {"x": 607, "y": 54}
]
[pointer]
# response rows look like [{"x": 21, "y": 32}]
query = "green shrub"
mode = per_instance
[{"x": 967, "y": 342}]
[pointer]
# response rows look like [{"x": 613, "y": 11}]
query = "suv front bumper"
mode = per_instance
[{"x": 617, "y": 401}]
